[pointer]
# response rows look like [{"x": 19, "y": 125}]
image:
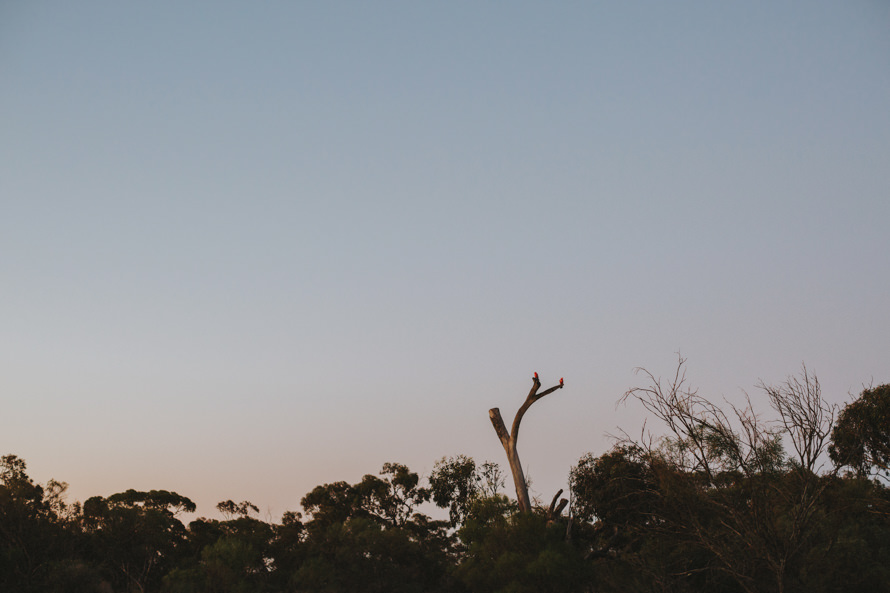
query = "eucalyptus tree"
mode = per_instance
[
  {"x": 137, "y": 536},
  {"x": 861, "y": 437}
]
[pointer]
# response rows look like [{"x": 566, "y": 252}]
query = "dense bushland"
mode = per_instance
[{"x": 721, "y": 500}]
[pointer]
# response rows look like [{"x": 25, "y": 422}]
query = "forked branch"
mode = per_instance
[{"x": 508, "y": 440}]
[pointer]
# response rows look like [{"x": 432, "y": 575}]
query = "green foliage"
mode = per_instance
[
  {"x": 861, "y": 436},
  {"x": 136, "y": 535},
  {"x": 363, "y": 555},
  {"x": 331, "y": 503},
  {"x": 231, "y": 509},
  {"x": 715, "y": 504},
  {"x": 37, "y": 544},
  {"x": 390, "y": 500},
  {"x": 851, "y": 551},
  {"x": 617, "y": 488},
  {"x": 454, "y": 483},
  {"x": 368, "y": 537},
  {"x": 230, "y": 556},
  {"x": 520, "y": 552}
]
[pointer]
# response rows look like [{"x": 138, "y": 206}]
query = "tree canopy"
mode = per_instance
[{"x": 722, "y": 499}]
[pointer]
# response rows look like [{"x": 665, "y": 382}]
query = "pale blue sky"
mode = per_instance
[{"x": 248, "y": 248}]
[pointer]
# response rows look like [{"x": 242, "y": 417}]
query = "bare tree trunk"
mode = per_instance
[{"x": 508, "y": 440}]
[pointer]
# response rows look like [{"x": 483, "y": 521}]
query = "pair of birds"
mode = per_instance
[{"x": 538, "y": 381}]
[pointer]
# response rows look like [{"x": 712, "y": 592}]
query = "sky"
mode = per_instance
[{"x": 251, "y": 248}]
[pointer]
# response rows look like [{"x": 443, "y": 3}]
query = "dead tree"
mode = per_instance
[{"x": 508, "y": 440}]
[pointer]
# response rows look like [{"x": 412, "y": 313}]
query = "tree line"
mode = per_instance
[{"x": 721, "y": 499}]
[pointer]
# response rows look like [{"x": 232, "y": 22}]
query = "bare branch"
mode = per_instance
[
  {"x": 509, "y": 440},
  {"x": 804, "y": 415}
]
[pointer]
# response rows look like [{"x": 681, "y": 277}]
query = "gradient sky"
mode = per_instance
[{"x": 249, "y": 248}]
